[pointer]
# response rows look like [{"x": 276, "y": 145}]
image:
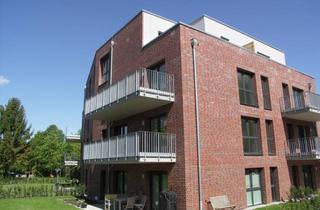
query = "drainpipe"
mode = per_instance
[
  {"x": 110, "y": 122},
  {"x": 111, "y": 62},
  {"x": 194, "y": 44}
]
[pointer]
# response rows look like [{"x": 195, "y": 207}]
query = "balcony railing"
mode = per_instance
[
  {"x": 304, "y": 106},
  {"x": 143, "y": 82},
  {"x": 140, "y": 146},
  {"x": 303, "y": 148}
]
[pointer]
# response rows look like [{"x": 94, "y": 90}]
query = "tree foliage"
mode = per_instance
[
  {"x": 14, "y": 135},
  {"x": 41, "y": 154},
  {"x": 47, "y": 151}
]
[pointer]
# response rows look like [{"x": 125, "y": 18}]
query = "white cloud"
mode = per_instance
[{"x": 3, "y": 81}]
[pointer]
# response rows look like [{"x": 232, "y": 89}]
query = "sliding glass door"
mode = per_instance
[
  {"x": 253, "y": 187},
  {"x": 159, "y": 183}
]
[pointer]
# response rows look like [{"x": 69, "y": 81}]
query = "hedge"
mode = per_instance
[{"x": 38, "y": 190}]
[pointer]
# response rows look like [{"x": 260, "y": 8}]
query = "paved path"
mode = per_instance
[{"x": 91, "y": 207}]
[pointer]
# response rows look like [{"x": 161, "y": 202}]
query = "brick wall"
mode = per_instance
[
  {"x": 220, "y": 113},
  {"x": 129, "y": 56},
  {"x": 223, "y": 162}
]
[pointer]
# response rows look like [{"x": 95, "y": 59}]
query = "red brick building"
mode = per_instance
[{"x": 256, "y": 117}]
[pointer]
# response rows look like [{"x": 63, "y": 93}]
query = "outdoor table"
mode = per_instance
[{"x": 119, "y": 201}]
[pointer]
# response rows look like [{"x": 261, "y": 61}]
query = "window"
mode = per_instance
[
  {"x": 290, "y": 132},
  {"x": 266, "y": 93},
  {"x": 253, "y": 187},
  {"x": 274, "y": 179},
  {"x": 104, "y": 133},
  {"x": 160, "y": 67},
  {"x": 224, "y": 38},
  {"x": 120, "y": 130},
  {"x": 308, "y": 176},
  {"x": 247, "y": 88},
  {"x": 286, "y": 97},
  {"x": 298, "y": 98},
  {"x": 159, "y": 183},
  {"x": 86, "y": 179},
  {"x": 158, "y": 124},
  {"x": 121, "y": 179},
  {"x": 264, "y": 55},
  {"x": 102, "y": 184},
  {"x": 250, "y": 132},
  {"x": 88, "y": 88},
  {"x": 158, "y": 80},
  {"x": 295, "y": 176},
  {"x": 270, "y": 138},
  {"x": 105, "y": 69}
]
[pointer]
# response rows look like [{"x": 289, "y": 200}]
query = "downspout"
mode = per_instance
[
  {"x": 111, "y": 62},
  {"x": 194, "y": 44},
  {"x": 110, "y": 123}
]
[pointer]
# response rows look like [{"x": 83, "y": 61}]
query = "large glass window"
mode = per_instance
[
  {"x": 159, "y": 183},
  {"x": 274, "y": 179},
  {"x": 121, "y": 179},
  {"x": 251, "y": 140},
  {"x": 266, "y": 93},
  {"x": 298, "y": 98},
  {"x": 158, "y": 124},
  {"x": 158, "y": 80},
  {"x": 286, "y": 97},
  {"x": 105, "y": 69},
  {"x": 247, "y": 88},
  {"x": 120, "y": 130},
  {"x": 295, "y": 176},
  {"x": 253, "y": 187},
  {"x": 270, "y": 137},
  {"x": 308, "y": 176}
]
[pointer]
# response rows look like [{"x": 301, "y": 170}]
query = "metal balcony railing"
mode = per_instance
[
  {"x": 143, "y": 146},
  {"x": 300, "y": 102},
  {"x": 151, "y": 83},
  {"x": 303, "y": 148}
]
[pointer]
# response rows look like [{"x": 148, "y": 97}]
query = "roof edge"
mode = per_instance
[
  {"x": 233, "y": 28},
  {"x": 201, "y": 31}
]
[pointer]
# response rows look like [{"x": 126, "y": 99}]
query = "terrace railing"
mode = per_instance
[
  {"x": 136, "y": 145},
  {"x": 303, "y": 148},
  {"x": 155, "y": 84},
  {"x": 300, "y": 102}
]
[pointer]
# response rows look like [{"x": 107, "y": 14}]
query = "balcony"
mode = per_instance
[
  {"x": 140, "y": 91},
  {"x": 304, "y": 107},
  {"x": 303, "y": 149},
  {"x": 137, "y": 147}
]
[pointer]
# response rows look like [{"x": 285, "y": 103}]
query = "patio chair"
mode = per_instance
[
  {"x": 108, "y": 199},
  {"x": 142, "y": 203},
  {"x": 130, "y": 203},
  {"x": 221, "y": 202}
]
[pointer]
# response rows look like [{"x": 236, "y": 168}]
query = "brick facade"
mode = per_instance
[{"x": 223, "y": 160}]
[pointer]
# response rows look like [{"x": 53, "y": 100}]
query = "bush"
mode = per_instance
[
  {"x": 35, "y": 180},
  {"x": 44, "y": 188},
  {"x": 300, "y": 194}
]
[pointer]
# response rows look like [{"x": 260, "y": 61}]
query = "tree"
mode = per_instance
[
  {"x": 47, "y": 151},
  {"x": 14, "y": 134}
]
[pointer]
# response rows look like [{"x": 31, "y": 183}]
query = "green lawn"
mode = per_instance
[
  {"x": 40, "y": 203},
  {"x": 288, "y": 206}
]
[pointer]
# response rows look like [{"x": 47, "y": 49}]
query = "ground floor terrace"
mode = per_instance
[
  {"x": 128, "y": 180},
  {"x": 305, "y": 173},
  {"x": 244, "y": 186}
]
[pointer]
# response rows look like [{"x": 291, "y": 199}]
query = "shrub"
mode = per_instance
[
  {"x": 38, "y": 187},
  {"x": 300, "y": 194}
]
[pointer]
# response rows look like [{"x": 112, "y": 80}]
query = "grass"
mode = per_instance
[
  {"x": 288, "y": 206},
  {"x": 37, "y": 203}
]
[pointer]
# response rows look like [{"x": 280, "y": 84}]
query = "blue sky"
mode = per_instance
[{"x": 46, "y": 47}]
